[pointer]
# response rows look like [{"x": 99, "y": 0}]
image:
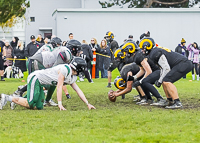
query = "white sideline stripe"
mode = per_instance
[{"x": 32, "y": 88}]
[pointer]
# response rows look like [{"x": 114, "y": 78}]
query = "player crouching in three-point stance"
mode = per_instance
[
  {"x": 55, "y": 76},
  {"x": 173, "y": 67},
  {"x": 123, "y": 84}
]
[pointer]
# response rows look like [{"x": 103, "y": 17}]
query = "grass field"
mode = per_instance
[{"x": 122, "y": 121}]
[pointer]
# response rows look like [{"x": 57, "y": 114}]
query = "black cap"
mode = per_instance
[
  {"x": 32, "y": 37},
  {"x": 130, "y": 36}
]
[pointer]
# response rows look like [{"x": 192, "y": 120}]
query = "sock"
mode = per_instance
[
  {"x": 87, "y": 75},
  {"x": 67, "y": 94},
  {"x": 109, "y": 83},
  {"x": 170, "y": 99},
  {"x": 2, "y": 77},
  {"x": 143, "y": 97},
  {"x": 50, "y": 92},
  {"x": 176, "y": 100},
  {"x": 10, "y": 98}
]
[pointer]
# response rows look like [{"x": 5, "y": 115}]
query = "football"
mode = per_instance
[{"x": 111, "y": 97}]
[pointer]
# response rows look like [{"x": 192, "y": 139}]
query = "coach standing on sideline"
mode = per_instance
[{"x": 32, "y": 47}]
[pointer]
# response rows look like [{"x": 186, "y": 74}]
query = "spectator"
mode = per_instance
[
  {"x": 46, "y": 40},
  {"x": 40, "y": 40},
  {"x": 181, "y": 49},
  {"x": 130, "y": 37},
  {"x": 14, "y": 42},
  {"x": 71, "y": 36},
  {"x": 2, "y": 59},
  {"x": 194, "y": 57},
  {"x": 9, "y": 51},
  {"x": 64, "y": 43},
  {"x": 104, "y": 60},
  {"x": 32, "y": 47},
  {"x": 18, "y": 53},
  {"x": 146, "y": 34},
  {"x": 94, "y": 46},
  {"x": 87, "y": 52}
]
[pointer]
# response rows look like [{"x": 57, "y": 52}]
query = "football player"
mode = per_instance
[
  {"x": 173, "y": 67},
  {"x": 55, "y": 76},
  {"x": 113, "y": 46}
]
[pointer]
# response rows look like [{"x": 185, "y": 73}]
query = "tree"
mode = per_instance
[
  {"x": 150, "y": 3},
  {"x": 11, "y": 11}
]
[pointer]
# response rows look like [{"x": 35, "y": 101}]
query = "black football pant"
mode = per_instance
[{"x": 147, "y": 85}]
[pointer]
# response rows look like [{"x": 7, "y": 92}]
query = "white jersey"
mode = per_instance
[
  {"x": 50, "y": 76},
  {"x": 48, "y": 59},
  {"x": 47, "y": 47},
  {"x": 57, "y": 50}
]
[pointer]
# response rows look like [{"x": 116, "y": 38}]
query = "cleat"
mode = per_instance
[
  {"x": 142, "y": 101},
  {"x": 109, "y": 85},
  {"x": 50, "y": 103},
  {"x": 176, "y": 105},
  {"x": 19, "y": 93},
  {"x": 137, "y": 98},
  {"x": 81, "y": 79},
  {"x": 148, "y": 102},
  {"x": 3, "y": 100},
  {"x": 161, "y": 102},
  {"x": 68, "y": 96},
  {"x": 20, "y": 87},
  {"x": 145, "y": 102}
]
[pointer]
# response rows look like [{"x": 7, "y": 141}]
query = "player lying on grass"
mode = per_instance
[
  {"x": 55, "y": 76},
  {"x": 173, "y": 67}
]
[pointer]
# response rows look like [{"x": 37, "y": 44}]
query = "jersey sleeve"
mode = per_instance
[
  {"x": 139, "y": 58},
  {"x": 155, "y": 55},
  {"x": 65, "y": 70}
]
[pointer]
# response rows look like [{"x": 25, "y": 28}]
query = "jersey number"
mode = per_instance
[{"x": 166, "y": 49}]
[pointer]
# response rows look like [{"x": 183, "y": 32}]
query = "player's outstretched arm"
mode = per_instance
[
  {"x": 81, "y": 95},
  {"x": 59, "y": 90}
]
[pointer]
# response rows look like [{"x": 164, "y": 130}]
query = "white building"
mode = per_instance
[{"x": 86, "y": 19}]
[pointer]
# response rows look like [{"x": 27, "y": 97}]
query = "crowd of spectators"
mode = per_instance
[{"x": 15, "y": 54}]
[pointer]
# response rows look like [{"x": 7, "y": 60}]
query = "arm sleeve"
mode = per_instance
[
  {"x": 196, "y": 51},
  {"x": 65, "y": 70},
  {"x": 26, "y": 51},
  {"x": 188, "y": 47},
  {"x": 90, "y": 53},
  {"x": 13, "y": 52},
  {"x": 165, "y": 68}
]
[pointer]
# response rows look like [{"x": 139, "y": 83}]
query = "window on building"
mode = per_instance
[{"x": 32, "y": 19}]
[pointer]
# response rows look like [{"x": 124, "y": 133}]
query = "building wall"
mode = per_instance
[
  {"x": 17, "y": 31},
  {"x": 42, "y": 11},
  {"x": 167, "y": 26}
]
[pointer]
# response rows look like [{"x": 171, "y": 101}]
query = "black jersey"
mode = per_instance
[
  {"x": 2, "y": 44},
  {"x": 139, "y": 57},
  {"x": 173, "y": 58},
  {"x": 133, "y": 67},
  {"x": 113, "y": 46}
]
